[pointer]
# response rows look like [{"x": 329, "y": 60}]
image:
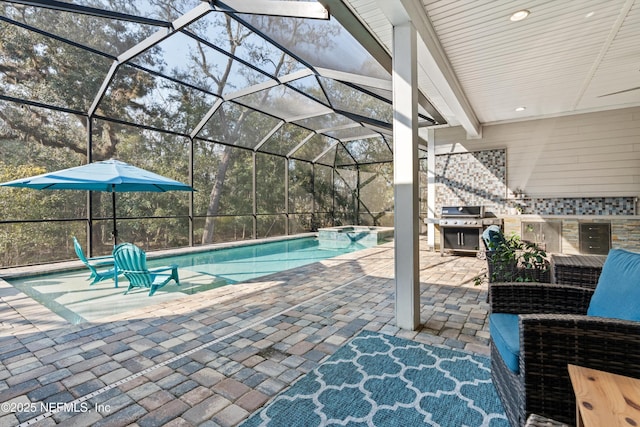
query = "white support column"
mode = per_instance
[
  {"x": 405, "y": 171},
  {"x": 431, "y": 188}
]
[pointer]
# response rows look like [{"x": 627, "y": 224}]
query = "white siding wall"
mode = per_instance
[{"x": 586, "y": 155}]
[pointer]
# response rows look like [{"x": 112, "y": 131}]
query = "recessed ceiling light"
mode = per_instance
[
  {"x": 589, "y": 15},
  {"x": 521, "y": 108},
  {"x": 519, "y": 15}
]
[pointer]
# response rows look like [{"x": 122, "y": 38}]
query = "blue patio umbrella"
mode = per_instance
[{"x": 111, "y": 176}]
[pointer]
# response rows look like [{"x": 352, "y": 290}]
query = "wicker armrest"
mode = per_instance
[
  {"x": 519, "y": 298},
  {"x": 548, "y": 341}
]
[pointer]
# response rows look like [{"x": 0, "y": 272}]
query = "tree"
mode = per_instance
[
  {"x": 237, "y": 37},
  {"x": 53, "y": 72},
  {"x": 59, "y": 74},
  {"x": 152, "y": 104}
]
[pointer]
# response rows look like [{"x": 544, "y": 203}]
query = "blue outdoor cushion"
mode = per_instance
[
  {"x": 506, "y": 337},
  {"x": 617, "y": 294}
]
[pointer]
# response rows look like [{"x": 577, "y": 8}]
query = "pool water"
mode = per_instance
[
  {"x": 69, "y": 295},
  {"x": 243, "y": 263}
]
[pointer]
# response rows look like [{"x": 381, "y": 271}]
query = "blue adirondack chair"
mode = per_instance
[
  {"x": 132, "y": 262},
  {"x": 95, "y": 262}
]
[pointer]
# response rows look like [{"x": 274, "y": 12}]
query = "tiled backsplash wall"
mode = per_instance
[
  {"x": 480, "y": 178},
  {"x": 580, "y": 206},
  {"x": 476, "y": 178}
]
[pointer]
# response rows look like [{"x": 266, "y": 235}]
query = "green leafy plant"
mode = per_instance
[{"x": 516, "y": 260}]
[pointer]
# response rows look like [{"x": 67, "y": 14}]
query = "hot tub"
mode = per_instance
[{"x": 332, "y": 237}]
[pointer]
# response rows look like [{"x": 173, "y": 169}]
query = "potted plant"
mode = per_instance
[{"x": 514, "y": 260}]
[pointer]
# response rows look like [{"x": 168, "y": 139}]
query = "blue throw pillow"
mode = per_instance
[{"x": 617, "y": 294}]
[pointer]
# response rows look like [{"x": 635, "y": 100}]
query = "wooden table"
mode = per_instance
[
  {"x": 580, "y": 270},
  {"x": 605, "y": 399}
]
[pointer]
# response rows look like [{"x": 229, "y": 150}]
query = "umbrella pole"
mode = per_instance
[
  {"x": 113, "y": 204},
  {"x": 115, "y": 232}
]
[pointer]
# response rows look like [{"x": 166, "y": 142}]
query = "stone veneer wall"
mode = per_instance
[{"x": 626, "y": 234}]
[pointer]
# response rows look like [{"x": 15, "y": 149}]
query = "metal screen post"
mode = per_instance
[
  {"x": 254, "y": 208},
  {"x": 191, "y": 195},
  {"x": 286, "y": 196},
  {"x": 89, "y": 224}
]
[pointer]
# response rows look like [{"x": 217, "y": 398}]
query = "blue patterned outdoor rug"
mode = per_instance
[{"x": 380, "y": 380}]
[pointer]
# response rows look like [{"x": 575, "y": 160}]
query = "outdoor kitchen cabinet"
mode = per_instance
[
  {"x": 595, "y": 238},
  {"x": 545, "y": 234},
  {"x": 461, "y": 239}
]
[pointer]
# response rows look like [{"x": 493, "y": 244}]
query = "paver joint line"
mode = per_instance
[{"x": 187, "y": 353}]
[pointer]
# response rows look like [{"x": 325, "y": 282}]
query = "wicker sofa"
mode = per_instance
[{"x": 537, "y": 329}]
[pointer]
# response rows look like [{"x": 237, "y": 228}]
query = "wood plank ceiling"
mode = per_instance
[{"x": 566, "y": 57}]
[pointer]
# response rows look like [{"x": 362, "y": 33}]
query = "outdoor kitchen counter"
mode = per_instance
[{"x": 625, "y": 229}]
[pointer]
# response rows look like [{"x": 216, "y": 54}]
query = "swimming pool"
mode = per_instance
[
  {"x": 69, "y": 295},
  {"x": 243, "y": 263}
]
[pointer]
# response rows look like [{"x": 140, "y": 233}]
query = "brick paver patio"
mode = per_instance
[{"x": 213, "y": 358}]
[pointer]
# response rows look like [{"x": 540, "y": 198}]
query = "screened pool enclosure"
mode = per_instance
[{"x": 273, "y": 111}]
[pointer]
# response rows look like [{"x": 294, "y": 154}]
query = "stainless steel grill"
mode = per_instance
[
  {"x": 461, "y": 228},
  {"x": 459, "y": 222},
  {"x": 462, "y": 212}
]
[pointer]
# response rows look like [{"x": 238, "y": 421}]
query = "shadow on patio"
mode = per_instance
[{"x": 221, "y": 355}]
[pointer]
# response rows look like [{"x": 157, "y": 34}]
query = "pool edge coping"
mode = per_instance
[{"x": 70, "y": 265}]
